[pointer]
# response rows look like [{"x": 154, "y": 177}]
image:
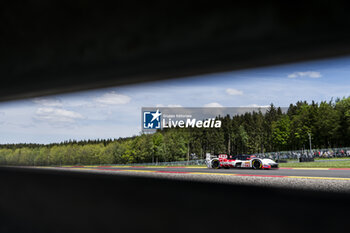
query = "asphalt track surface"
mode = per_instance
[
  {"x": 319, "y": 179},
  {"x": 343, "y": 173}
]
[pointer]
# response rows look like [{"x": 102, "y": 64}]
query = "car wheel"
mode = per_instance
[
  {"x": 256, "y": 164},
  {"x": 215, "y": 164}
]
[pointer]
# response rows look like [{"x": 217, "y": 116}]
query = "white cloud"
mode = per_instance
[
  {"x": 310, "y": 74},
  {"x": 112, "y": 98},
  {"x": 57, "y": 115},
  {"x": 210, "y": 105},
  {"x": 232, "y": 91},
  {"x": 48, "y": 102},
  {"x": 76, "y": 103},
  {"x": 55, "y": 102}
]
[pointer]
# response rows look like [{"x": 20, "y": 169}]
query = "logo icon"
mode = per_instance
[{"x": 152, "y": 120}]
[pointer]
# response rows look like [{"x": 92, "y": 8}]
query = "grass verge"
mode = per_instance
[{"x": 329, "y": 164}]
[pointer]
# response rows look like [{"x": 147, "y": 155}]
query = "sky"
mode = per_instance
[{"x": 116, "y": 112}]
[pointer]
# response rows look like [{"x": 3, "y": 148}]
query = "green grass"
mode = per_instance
[
  {"x": 332, "y": 158},
  {"x": 330, "y": 164}
]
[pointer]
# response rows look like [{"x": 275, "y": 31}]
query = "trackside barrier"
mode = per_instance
[
  {"x": 174, "y": 163},
  {"x": 306, "y": 159},
  {"x": 281, "y": 161},
  {"x": 307, "y": 154}
]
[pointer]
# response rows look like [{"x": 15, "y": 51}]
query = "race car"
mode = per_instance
[{"x": 240, "y": 161}]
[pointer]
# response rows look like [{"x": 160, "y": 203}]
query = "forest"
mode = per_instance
[{"x": 327, "y": 123}]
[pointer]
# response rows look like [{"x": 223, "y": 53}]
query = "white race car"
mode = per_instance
[{"x": 240, "y": 161}]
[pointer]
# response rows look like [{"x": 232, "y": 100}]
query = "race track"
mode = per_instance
[
  {"x": 325, "y": 179},
  {"x": 302, "y": 172}
]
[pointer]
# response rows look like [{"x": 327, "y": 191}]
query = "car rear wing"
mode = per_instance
[{"x": 220, "y": 156}]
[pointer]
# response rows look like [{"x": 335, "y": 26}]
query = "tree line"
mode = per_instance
[{"x": 326, "y": 123}]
